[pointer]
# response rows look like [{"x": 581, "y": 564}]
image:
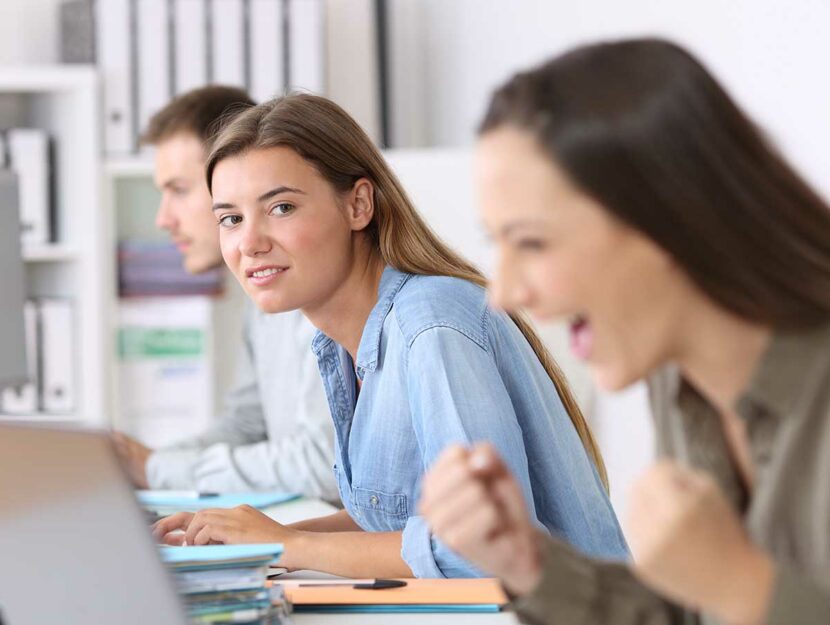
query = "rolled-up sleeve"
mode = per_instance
[
  {"x": 577, "y": 590},
  {"x": 456, "y": 395}
]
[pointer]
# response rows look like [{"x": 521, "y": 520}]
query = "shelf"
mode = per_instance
[
  {"x": 137, "y": 167},
  {"x": 47, "y": 78},
  {"x": 49, "y": 254}
]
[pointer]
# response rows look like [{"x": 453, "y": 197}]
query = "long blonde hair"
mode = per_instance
[{"x": 326, "y": 136}]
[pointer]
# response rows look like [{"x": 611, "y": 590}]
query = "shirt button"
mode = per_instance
[{"x": 373, "y": 500}]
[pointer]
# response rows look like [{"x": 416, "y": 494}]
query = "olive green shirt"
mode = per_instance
[{"x": 786, "y": 410}]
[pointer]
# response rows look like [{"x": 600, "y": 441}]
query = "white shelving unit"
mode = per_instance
[{"x": 64, "y": 100}]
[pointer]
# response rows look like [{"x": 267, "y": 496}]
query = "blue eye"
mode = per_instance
[
  {"x": 229, "y": 220},
  {"x": 283, "y": 208}
]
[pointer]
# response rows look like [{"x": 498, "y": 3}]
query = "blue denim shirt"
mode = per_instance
[{"x": 440, "y": 367}]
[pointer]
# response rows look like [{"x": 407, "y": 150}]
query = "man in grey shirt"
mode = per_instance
[{"x": 276, "y": 433}]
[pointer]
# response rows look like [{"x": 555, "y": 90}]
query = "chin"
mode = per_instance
[
  {"x": 199, "y": 265},
  {"x": 613, "y": 379},
  {"x": 271, "y": 304}
]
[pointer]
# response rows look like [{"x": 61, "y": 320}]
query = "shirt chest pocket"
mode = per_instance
[{"x": 380, "y": 511}]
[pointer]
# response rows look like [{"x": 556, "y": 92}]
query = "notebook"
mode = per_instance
[
  {"x": 177, "y": 501},
  {"x": 418, "y": 596},
  {"x": 212, "y": 556}
]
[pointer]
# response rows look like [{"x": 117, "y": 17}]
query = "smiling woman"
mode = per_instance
[{"x": 412, "y": 358}]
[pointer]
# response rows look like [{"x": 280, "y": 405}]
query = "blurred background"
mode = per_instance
[{"x": 128, "y": 340}]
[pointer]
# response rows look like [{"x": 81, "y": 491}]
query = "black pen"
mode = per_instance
[{"x": 378, "y": 584}]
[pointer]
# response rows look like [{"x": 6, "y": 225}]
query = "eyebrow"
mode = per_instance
[
  {"x": 262, "y": 198},
  {"x": 516, "y": 225},
  {"x": 171, "y": 182}
]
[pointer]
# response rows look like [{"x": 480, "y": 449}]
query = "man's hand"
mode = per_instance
[{"x": 133, "y": 456}]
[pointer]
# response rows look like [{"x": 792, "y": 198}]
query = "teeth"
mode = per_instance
[{"x": 265, "y": 273}]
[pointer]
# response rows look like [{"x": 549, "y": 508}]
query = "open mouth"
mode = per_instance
[{"x": 582, "y": 337}]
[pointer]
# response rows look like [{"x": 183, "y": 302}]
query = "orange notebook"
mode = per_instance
[{"x": 419, "y": 595}]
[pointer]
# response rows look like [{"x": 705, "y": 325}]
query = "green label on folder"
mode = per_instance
[{"x": 145, "y": 343}]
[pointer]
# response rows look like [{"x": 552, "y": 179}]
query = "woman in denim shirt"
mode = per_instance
[{"x": 412, "y": 358}]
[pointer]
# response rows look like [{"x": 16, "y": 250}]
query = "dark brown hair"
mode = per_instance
[
  {"x": 642, "y": 127},
  {"x": 200, "y": 111},
  {"x": 326, "y": 136}
]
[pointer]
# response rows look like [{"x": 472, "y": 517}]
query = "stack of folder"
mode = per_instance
[
  {"x": 225, "y": 583},
  {"x": 148, "y": 268}
]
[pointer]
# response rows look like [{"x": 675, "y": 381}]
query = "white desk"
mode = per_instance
[{"x": 309, "y": 508}]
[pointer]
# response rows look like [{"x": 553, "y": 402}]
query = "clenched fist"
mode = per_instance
[
  {"x": 689, "y": 545},
  {"x": 472, "y": 503}
]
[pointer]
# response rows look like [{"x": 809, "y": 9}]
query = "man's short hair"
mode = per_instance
[{"x": 199, "y": 111}]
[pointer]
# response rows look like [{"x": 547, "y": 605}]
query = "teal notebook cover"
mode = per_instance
[
  {"x": 221, "y": 554},
  {"x": 173, "y": 500}
]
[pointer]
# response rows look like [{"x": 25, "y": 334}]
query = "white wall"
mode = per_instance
[{"x": 773, "y": 56}]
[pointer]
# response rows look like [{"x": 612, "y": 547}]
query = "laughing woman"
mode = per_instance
[
  {"x": 412, "y": 359},
  {"x": 690, "y": 253}
]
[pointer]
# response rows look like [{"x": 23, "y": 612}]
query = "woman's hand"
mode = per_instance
[
  {"x": 473, "y": 504},
  {"x": 689, "y": 545},
  {"x": 243, "y": 524}
]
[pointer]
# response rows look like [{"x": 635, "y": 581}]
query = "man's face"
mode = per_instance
[{"x": 185, "y": 208}]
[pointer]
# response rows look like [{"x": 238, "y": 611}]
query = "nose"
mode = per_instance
[
  {"x": 253, "y": 241},
  {"x": 507, "y": 290},
  {"x": 165, "y": 216}
]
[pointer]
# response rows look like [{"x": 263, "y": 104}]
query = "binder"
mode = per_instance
[
  {"x": 266, "y": 49},
  {"x": 306, "y": 45},
  {"x": 190, "y": 44},
  {"x": 24, "y": 399},
  {"x": 57, "y": 354},
  {"x": 113, "y": 41},
  {"x": 154, "y": 54},
  {"x": 29, "y": 158},
  {"x": 353, "y": 70},
  {"x": 228, "y": 41}
]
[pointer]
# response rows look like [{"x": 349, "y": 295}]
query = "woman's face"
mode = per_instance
[
  {"x": 283, "y": 230},
  {"x": 561, "y": 255}
]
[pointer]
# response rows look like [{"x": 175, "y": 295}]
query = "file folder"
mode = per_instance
[
  {"x": 419, "y": 596},
  {"x": 191, "y": 44},
  {"x": 267, "y": 49},
  {"x": 113, "y": 41}
]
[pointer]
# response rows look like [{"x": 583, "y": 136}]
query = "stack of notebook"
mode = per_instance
[{"x": 225, "y": 583}]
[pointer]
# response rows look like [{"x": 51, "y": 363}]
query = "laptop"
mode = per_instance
[{"x": 75, "y": 548}]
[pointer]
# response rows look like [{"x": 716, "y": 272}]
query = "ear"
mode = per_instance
[{"x": 360, "y": 204}]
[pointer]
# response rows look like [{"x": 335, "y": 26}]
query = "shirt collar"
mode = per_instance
[
  {"x": 391, "y": 281},
  {"x": 790, "y": 362}
]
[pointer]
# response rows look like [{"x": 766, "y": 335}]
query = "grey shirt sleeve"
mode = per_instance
[{"x": 577, "y": 590}]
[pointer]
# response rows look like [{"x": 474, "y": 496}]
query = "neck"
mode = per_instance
[
  {"x": 342, "y": 316},
  {"x": 720, "y": 353}
]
